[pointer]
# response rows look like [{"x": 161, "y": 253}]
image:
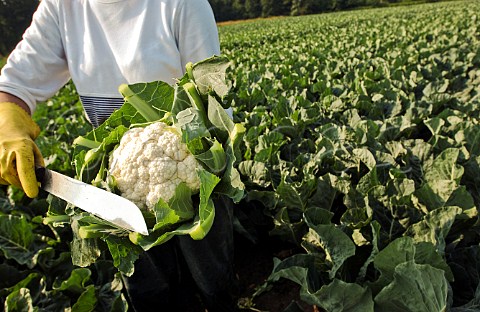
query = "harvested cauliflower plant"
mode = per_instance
[
  {"x": 151, "y": 162},
  {"x": 169, "y": 149}
]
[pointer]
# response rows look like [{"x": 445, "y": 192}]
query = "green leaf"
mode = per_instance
[
  {"x": 402, "y": 250},
  {"x": 465, "y": 263},
  {"x": 399, "y": 251},
  {"x": 426, "y": 253},
  {"x": 34, "y": 282},
  {"x": 152, "y": 100},
  {"x": 291, "y": 195},
  {"x": 316, "y": 216},
  {"x": 110, "y": 295},
  {"x": 197, "y": 228},
  {"x": 376, "y": 229},
  {"x": 179, "y": 208},
  {"x": 462, "y": 198},
  {"x": 125, "y": 116},
  {"x": 435, "y": 195},
  {"x": 214, "y": 158},
  {"x": 87, "y": 301},
  {"x": 415, "y": 287},
  {"x": 435, "y": 226},
  {"x": 370, "y": 183},
  {"x": 17, "y": 240},
  {"x": 356, "y": 218},
  {"x": 435, "y": 125},
  {"x": 326, "y": 192},
  {"x": 299, "y": 268},
  {"x": 76, "y": 282},
  {"x": 337, "y": 246},
  {"x": 471, "y": 138},
  {"x": 181, "y": 101},
  {"x": 124, "y": 254},
  {"x": 255, "y": 172},
  {"x": 196, "y": 101},
  {"x": 206, "y": 210},
  {"x": 192, "y": 125},
  {"x": 210, "y": 75},
  {"x": 445, "y": 168},
  {"x": 84, "y": 251},
  {"x": 339, "y": 296},
  {"x": 231, "y": 183},
  {"x": 19, "y": 301},
  {"x": 366, "y": 157},
  {"x": 219, "y": 117},
  {"x": 287, "y": 228}
]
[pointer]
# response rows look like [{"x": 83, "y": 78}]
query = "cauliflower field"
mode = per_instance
[{"x": 361, "y": 159}]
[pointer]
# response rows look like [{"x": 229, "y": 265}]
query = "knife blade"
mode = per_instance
[{"x": 105, "y": 205}]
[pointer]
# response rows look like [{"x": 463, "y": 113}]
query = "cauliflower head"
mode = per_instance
[{"x": 150, "y": 163}]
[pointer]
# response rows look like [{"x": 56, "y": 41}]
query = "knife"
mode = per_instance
[{"x": 105, "y": 205}]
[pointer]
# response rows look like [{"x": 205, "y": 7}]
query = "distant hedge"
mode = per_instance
[
  {"x": 226, "y": 10},
  {"x": 15, "y": 17}
]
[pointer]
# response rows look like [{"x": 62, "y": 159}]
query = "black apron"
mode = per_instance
[{"x": 186, "y": 275}]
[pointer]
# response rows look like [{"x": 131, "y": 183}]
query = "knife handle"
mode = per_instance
[{"x": 40, "y": 173}]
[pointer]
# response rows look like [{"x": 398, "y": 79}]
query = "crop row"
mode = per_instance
[
  {"x": 362, "y": 146},
  {"x": 362, "y": 149}
]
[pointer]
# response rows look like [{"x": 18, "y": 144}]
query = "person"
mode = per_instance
[{"x": 100, "y": 44}]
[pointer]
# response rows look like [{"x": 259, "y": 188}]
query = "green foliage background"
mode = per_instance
[
  {"x": 15, "y": 16},
  {"x": 362, "y": 147},
  {"x": 361, "y": 152}
]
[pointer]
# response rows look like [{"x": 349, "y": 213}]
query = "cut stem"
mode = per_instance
[
  {"x": 146, "y": 110},
  {"x": 83, "y": 141},
  {"x": 189, "y": 69},
  {"x": 56, "y": 219},
  {"x": 196, "y": 100},
  {"x": 92, "y": 231}
]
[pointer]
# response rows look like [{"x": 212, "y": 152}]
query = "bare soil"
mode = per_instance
[{"x": 254, "y": 263}]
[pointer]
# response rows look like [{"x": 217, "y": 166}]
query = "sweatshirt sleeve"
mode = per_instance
[
  {"x": 197, "y": 33},
  {"x": 36, "y": 69}
]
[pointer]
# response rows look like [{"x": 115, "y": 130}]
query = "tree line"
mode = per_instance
[
  {"x": 15, "y": 16},
  {"x": 226, "y": 10}
]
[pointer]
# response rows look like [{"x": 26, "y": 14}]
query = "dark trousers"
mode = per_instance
[{"x": 185, "y": 275}]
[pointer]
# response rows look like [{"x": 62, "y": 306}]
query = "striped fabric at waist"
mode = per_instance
[{"x": 98, "y": 109}]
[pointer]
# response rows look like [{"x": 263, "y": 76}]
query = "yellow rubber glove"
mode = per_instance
[{"x": 18, "y": 152}]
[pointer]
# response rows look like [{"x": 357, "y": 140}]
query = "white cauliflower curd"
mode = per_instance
[{"x": 150, "y": 163}]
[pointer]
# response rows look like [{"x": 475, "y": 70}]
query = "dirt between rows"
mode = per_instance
[{"x": 254, "y": 263}]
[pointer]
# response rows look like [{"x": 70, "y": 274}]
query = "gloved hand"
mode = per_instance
[{"x": 18, "y": 152}]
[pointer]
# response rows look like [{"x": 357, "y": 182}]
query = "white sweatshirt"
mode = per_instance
[{"x": 100, "y": 44}]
